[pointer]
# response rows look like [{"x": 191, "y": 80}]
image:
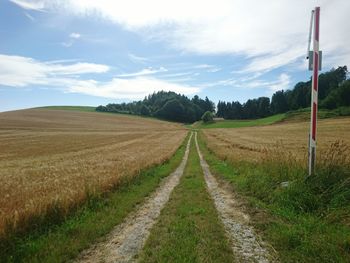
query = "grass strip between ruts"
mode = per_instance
[{"x": 188, "y": 228}]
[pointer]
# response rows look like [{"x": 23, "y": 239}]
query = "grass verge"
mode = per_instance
[
  {"x": 308, "y": 221},
  {"x": 188, "y": 229},
  {"x": 60, "y": 242}
]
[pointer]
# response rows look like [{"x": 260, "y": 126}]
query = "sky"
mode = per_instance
[{"x": 86, "y": 52}]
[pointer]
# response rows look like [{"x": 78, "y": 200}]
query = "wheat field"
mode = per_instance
[
  {"x": 252, "y": 143},
  {"x": 56, "y": 157}
]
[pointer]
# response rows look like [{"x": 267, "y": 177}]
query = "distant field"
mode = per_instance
[
  {"x": 55, "y": 158},
  {"x": 291, "y": 116},
  {"x": 251, "y": 143},
  {"x": 74, "y": 108},
  {"x": 240, "y": 123}
]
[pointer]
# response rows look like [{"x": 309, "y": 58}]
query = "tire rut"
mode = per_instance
[
  {"x": 128, "y": 238},
  {"x": 245, "y": 243}
]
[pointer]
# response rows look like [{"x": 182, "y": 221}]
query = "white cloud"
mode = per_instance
[
  {"x": 137, "y": 59},
  {"x": 75, "y": 35},
  {"x": 143, "y": 72},
  {"x": 77, "y": 68},
  {"x": 67, "y": 44},
  {"x": 31, "y": 18},
  {"x": 17, "y": 71},
  {"x": 179, "y": 74},
  {"x": 136, "y": 88},
  {"x": 208, "y": 68},
  {"x": 272, "y": 61},
  {"x": 270, "y": 33},
  {"x": 276, "y": 28},
  {"x": 283, "y": 82},
  {"x": 30, "y": 4},
  {"x": 224, "y": 82}
]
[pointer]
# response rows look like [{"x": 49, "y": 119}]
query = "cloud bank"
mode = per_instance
[
  {"x": 17, "y": 71},
  {"x": 272, "y": 33}
]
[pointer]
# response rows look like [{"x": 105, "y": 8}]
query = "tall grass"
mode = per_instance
[{"x": 308, "y": 217}]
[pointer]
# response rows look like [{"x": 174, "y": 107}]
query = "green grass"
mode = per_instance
[
  {"x": 296, "y": 115},
  {"x": 188, "y": 229},
  {"x": 240, "y": 123},
  {"x": 72, "y": 108},
  {"x": 96, "y": 218},
  {"x": 305, "y": 222},
  {"x": 304, "y": 114}
]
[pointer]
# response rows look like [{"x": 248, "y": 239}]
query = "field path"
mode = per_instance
[
  {"x": 128, "y": 238},
  {"x": 246, "y": 245}
]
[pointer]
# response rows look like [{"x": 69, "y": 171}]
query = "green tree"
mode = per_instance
[
  {"x": 145, "y": 110},
  {"x": 344, "y": 94},
  {"x": 172, "y": 110},
  {"x": 279, "y": 102},
  {"x": 263, "y": 107},
  {"x": 207, "y": 117}
]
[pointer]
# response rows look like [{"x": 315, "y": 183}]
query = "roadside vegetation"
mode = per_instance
[
  {"x": 188, "y": 228},
  {"x": 62, "y": 237},
  {"x": 305, "y": 218}
]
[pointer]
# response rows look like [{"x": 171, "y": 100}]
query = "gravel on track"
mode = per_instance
[
  {"x": 127, "y": 239},
  {"x": 246, "y": 244}
]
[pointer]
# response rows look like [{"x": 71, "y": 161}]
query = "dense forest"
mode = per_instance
[
  {"x": 333, "y": 92},
  {"x": 165, "y": 105}
]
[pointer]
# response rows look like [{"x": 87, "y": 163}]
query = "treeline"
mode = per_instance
[
  {"x": 165, "y": 105},
  {"x": 333, "y": 92}
]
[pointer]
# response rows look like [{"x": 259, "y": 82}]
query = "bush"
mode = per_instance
[{"x": 207, "y": 117}]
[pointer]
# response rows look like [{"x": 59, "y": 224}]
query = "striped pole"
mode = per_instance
[{"x": 314, "y": 93}]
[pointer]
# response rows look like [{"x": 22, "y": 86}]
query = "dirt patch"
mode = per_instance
[
  {"x": 246, "y": 244},
  {"x": 128, "y": 238}
]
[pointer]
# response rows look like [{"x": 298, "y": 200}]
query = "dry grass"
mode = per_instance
[
  {"x": 290, "y": 138},
  {"x": 52, "y": 158}
]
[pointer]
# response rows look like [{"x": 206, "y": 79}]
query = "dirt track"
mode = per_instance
[
  {"x": 128, "y": 238},
  {"x": 246, "y": 245}
]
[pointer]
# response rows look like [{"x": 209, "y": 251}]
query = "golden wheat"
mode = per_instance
[
  {"x": 57, "y": 157},
  {"x": 252, "y": 143}
]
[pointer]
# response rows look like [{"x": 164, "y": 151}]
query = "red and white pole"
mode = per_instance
[{"x": 314, "y": 92}]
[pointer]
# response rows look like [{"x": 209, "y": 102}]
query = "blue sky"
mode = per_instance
[{"x": 82, "y": 52}]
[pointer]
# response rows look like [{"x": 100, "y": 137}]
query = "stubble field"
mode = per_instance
[{"x": 55, "y": 159}]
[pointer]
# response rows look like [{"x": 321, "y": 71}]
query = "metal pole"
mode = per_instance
[
  {"x": 314, "y": 92},
  {"x": 310, "y": 34}
]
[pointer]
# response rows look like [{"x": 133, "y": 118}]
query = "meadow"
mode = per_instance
[
  {"x": 52, "y": 160},
  {"x": 240, "y": 123}
]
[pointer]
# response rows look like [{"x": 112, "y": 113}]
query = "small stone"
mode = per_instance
[{"x": 285, "y": 184}]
